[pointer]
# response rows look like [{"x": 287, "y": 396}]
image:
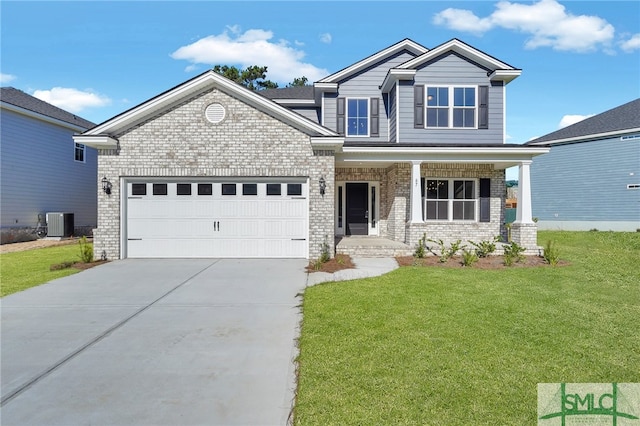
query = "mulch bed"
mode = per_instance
[
  {"x": 77, "y": 265},
  {"x": 490, "y": 262},
  {"x": 337, "y": 263}
]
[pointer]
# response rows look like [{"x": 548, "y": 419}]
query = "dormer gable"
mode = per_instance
[{"x": 498, "y": 70}]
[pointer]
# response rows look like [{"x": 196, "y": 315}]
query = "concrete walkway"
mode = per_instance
[
  {"x": 154, "y": 342},
  {"x": 365, "y": 267}
]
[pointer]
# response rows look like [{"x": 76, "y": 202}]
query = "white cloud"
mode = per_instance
[
  {"x": 546, "y": 22},
  {"x": 326, "y": 38},
  {"x": 569, "y": 119},
  {"x": 72, "y": 100},
  {"x": 253, "y": 47},
  {"x": 6, "y": 78},
  {"x": 633, "y": 43},
  {"x": 462, "y": 20}
]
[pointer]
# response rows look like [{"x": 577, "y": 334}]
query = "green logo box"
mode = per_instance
[{"x": 567, "y": 404}]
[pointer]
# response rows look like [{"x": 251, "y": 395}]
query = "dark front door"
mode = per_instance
[{"x": 357, "y": 214}]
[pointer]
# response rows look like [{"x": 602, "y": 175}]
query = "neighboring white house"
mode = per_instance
[
  {"x": 42, "y": 169},
  {"x": 407, "y": 141},
  {"x": 591, "y": 177}
]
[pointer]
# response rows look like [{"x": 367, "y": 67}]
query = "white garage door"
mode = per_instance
[{"x": 217, "y": 219}]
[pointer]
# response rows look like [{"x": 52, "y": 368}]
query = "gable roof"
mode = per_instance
[
  {"x": 104, "y": 134},
  {"x": 24, "y": 101},
  {"x": 616, "y": 121},
  {"x": 500, "y": 70},
  {"x": 394, "y": 49}
]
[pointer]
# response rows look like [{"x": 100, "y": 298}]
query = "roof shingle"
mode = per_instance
[{"x": 13, "y": 96}]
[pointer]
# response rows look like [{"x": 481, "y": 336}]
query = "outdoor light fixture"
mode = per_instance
[
  {"x": 323, "y": 185},
  {"x": 106, "y": 186}
]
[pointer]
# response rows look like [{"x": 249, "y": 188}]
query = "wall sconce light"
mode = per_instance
[
  {"x": 323, "y": 185},
  {"x": 106, "y": 186}
]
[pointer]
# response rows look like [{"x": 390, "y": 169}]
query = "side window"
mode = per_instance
[{"x": 79, "y": 152}]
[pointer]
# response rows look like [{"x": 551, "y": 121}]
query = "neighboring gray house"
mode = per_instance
[
  {"x": 407, "y": 141},
  {"x": 591, "y": 177},
  {"x": 42, "y": 168}
]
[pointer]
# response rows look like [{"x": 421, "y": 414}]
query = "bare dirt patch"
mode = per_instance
[
  {"x": 490, "y": 262},
  {"x": 337, "y": 263}
]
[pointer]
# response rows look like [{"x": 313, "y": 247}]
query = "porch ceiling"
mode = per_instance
[{"x": 501, "y": 157}]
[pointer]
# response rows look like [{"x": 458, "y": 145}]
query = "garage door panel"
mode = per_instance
[{"x": 215, "y": 225}]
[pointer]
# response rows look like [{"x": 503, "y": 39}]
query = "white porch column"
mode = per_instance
[
  {"x": 523, "y": 211},
  {"x": 416, "y": 193}
]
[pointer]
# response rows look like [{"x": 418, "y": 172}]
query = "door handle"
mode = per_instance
[{"x": 366, "y": 214}]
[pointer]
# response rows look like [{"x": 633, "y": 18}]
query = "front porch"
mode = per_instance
[{"x": 371, "y": 246}]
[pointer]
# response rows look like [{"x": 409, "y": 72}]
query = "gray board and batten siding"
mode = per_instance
[
  {"x": 40, "y": 174},
  {"x": 450, "y": 70},
  {"x": 588, "y": 182},
  {"x": 365, "y": 84}
]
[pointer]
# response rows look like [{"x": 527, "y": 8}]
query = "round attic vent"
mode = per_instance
[{"x": 215, "y": 113}]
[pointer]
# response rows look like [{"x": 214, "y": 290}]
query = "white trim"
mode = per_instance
[
  {"x": 587, "y": 138},
  {"x": 505, "y": 75},
  {"x": 373, "y": 59},
  {"x": 450, "y": 200},
  {"x": 295, "y": 102},
  {"x": 98, "y": 141},
  {"x": 346, "y": 116},
  {"x": 458, "y": 47},
  {"x": 42, "y": 117},
  {"x": 197, "y": 84},
  {"x": 370, "y": 216},
  {"x": 451, "y": 106},
  {"x": 397, "y": 102},
  {"x": 394, "y": 75},
  {"x": 84, "y": 152},
  {"x": 334, "y": 143}
]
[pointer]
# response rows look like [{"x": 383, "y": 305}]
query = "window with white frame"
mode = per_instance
[
  {"x": 358, "y": 117},
  {"x": 451, "y": 107},
  {"x": 79, "y": 152},
  {"x": 450, "y": 199}
]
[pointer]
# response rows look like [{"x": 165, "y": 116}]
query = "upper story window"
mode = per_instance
[
  {"x": 357, "y": 117},
  {"x": 79, "y": 152},
  {"x": 451, "y": 107}
]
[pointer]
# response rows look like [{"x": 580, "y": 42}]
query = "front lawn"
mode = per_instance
[
  {"x": 24, "y": 269},
  {"x": 468, "y": 346}
]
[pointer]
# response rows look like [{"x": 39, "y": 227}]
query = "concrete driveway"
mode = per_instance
[{"x": 154, "y": 342}]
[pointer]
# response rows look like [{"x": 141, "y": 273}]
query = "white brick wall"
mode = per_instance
[{"x": 182, "y": 143}]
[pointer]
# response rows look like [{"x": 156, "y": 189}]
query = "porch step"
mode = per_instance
[{"x": 372, "y": 247}]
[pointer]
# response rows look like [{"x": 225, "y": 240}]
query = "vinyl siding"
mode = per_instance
[
  {"x": 312, "y": 114},
  {"x": 587, "y": 181},
  {"x": 451, "y": 70},
  {"x": 365, "y": 84},
  {"x": 39, "y": 173}
]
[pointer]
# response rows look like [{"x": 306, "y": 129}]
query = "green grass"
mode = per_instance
[
  {"x": 24, "y": 269},
  {"x": 464, "y": 346}
]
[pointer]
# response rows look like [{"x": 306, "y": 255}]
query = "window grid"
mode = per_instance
[
  {"x": 79, "y": 152},
  {"x": 357, "y": 117},
  {"x": 450, "y": 107},
  {"x": 450, "y": 200}
]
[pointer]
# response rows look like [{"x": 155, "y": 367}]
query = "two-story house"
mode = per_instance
[{"x": 405, "y": 142}]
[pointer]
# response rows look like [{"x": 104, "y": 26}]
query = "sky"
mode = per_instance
[{"x": 98, "y": 59}]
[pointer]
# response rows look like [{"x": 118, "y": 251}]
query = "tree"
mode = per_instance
[
  {"x": 253, "y": 77},
  {"x": 301, "y": 81}
]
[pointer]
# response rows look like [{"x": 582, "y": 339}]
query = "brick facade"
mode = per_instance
[{"x": 180, "y": 142}]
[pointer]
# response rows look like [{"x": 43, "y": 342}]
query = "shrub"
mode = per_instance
[
  {"x": 447, "y": 253},
  {"x": 485, "y": 248},
  {"x": 86, "y": 250},
  {"x": 513, "y": 253},
  {"x": 325, "y": 254},
  {"x": 469, "y": 257},
  {"x": 551, "y": 253},
  {"x": 421, "y": 249}
]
